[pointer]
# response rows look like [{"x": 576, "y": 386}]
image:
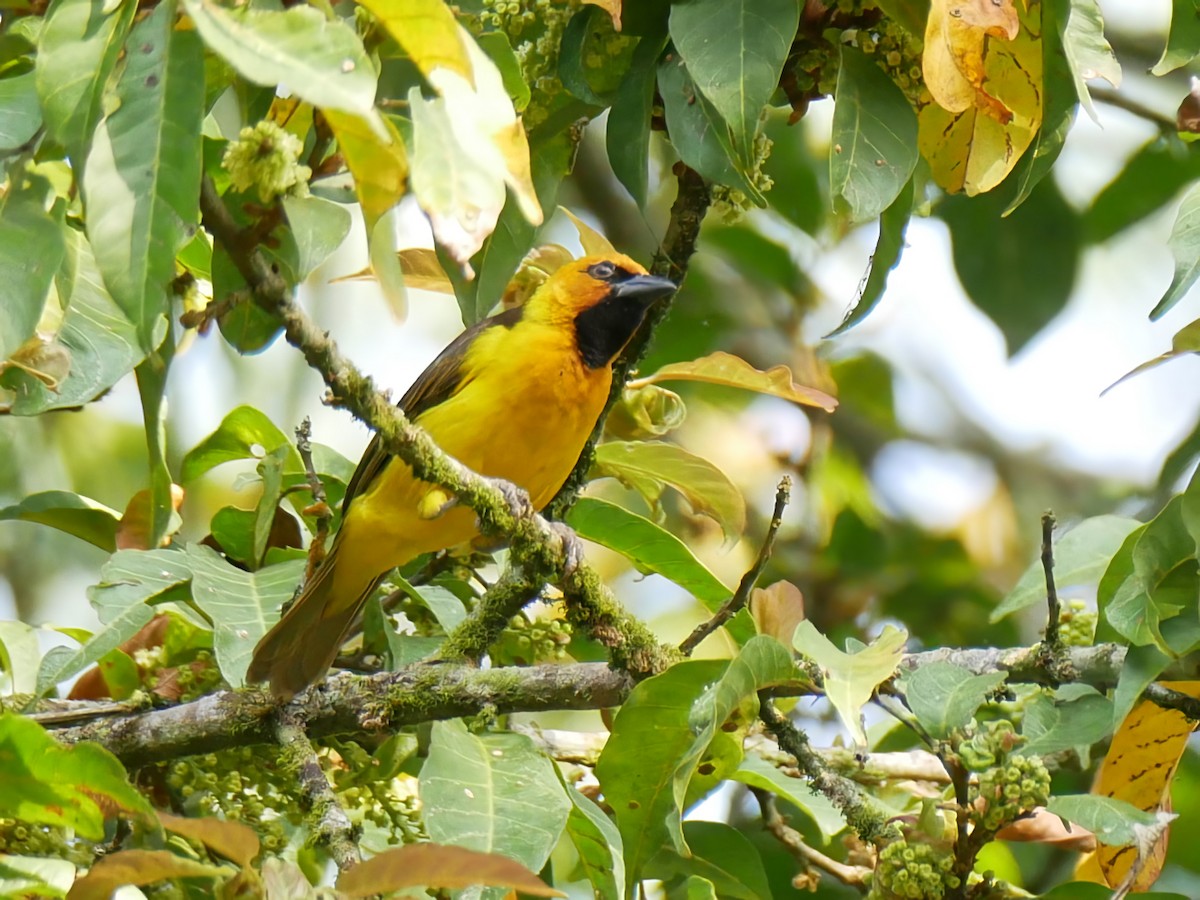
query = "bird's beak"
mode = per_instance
[{"x": 643, "y": 289}]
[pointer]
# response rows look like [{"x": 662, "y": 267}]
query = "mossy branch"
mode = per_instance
[
  {"x": 369, "y": 704},
  {"x": 540, "y": 550}
]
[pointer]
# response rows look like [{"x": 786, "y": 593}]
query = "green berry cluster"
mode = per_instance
[
  {"x": 391, "y": 805},
  {"x": 730, "y": 203},
  {"x": 898, "y": 53},
  {"x": 988, "y": 744},
  {"x": 246, "y": 784},
  {"x": 1006, "y": 791},
  {"x": 23, "y": 839},
  {"x": 524, "y": 642},
  {"x": 1077, "y": 624},
  {"x": 266, "y": 158},
  {"x": 913, "y": 871},
  {"x": 534, "y": 29}
]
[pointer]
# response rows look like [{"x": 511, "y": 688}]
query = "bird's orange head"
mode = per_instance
[{"x": 603, "y": 298}]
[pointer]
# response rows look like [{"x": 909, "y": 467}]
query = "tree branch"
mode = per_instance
[
  {"x": 742, "y": 595},
  {"x": 328, "y": 822},
  {"x": 1053, "y": 613},
  {"x": 424, "y": 692},
  {"x": 539, "y": 550}
]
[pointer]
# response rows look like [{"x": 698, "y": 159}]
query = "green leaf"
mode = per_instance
[
  {"x": 320, "y": 60},
  {"x": 20, "y": 117},
  {"x": 245, "y": 433},
  {"x": 1185, "y": 246},
  {"x": 698, "y": 133},
  {"x": 142, "y": 183},
  {"x": 35, "y": 876},
  {"x": 495, "y": 793},
  {"x": 874, "y": 148},
  {"x": 851, "y": 678},
  {"x": 19, "y": 656},
  {"x": 1183, "y": 39},
  {"x": 662, "y": 732},
  {"x": 911, "y": 14},
  {"x": 319, "y": 227},
  {"x": 944, "y": 696},
  {"x": 1087, "y": 50},
  {"x": 627, "y": 134},
  {"x": 758, "y": 773},
  {"x": 1162, "y": 583},
  {"x": 1113, "y": 821},
  {"x": 1059, "y": 101},
  {"x": 1149, "y": 180},
  {"x": 735, "y": 53},
  {"x": 152, "y": 390},
  {"x": 598, "y": 843},
  {"x": 74, "y": 514},
  {"x": 270, "y": 470},
  {"x": 31, "y": 248},
  {"x": 1141, "y": 667},
  {"x": 1081, "y": 556},
  {"x": 42, "y": 782},
  {"x": 77, "y": 49},
  {"x": 101, "y": 341},
  {"x": 650, "y": 548},
  {"x": 1054, "y": 725},
  {"x": 572, "y": 53},
  {"x": 649, "y": 466},
  {"x": 130, "y": 582},
  {"x": 499, "y": 50},
  {"x": 241, "y": 605},
  {"x": 722, "y": 857},
  {"x": 1018, "y": 270},
  {"x": 893, "y": 223}
]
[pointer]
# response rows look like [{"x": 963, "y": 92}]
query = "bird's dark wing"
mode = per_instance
[{"x": 440, "y": 381}]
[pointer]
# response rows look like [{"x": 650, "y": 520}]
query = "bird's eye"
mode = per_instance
[{"x": 602, "y": 271}]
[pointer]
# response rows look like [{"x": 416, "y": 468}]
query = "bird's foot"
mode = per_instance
[
  {"x": 519, "y": 504},
  {"x": 572, "y": 547}
]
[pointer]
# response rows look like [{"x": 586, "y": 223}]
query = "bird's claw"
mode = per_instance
[
  {"x": 519, "y": 504},
  {"x": 572, "y": 547}
]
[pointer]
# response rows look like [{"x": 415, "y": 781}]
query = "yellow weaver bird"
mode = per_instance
[{"x": 513, "y": 397}]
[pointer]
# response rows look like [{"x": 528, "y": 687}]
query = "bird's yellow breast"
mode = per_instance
[{"x": 522, "y": 412}]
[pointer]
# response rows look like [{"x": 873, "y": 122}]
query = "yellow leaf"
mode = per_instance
[
  {"x": 468, "y": 145},
  {"x": 422, "y": 270},
  {"x": 380, "y": 168},
  {"x": 594, "y": 243},
  {"x": 538, "y": 265},
  {"x": 956, "y": 36},
  {"x": 426, "y": 30},
  {"x": 732, "y": 371},
  {"x": 973, "y": 137},
  {"x": 1139, "y": 769}
]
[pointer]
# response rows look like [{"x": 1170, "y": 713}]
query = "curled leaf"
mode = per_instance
[{"x": 733, "y": 371}]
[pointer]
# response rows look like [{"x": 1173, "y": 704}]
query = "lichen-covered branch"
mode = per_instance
[
  {"x": 540, "y": 550},
  {"x": 328, "y": 822},
  {"x": 363, "y": 704}
]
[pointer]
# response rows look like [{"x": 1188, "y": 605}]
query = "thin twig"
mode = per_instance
[
  {"x": 793, "y": 842},
  {"x": 1051, "y": 636},
  {"x": 859, "y": 809},
  {"x": 328, "y": 822},
  {"x": 1115, "y": 98},
  {"x": 320, "y": 505},
  {"x": 741, "y": 596}
]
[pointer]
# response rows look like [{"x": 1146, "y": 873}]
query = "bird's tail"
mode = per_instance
[{"x": 302, "y": 645}]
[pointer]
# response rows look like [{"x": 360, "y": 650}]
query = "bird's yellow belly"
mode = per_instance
[{"x": 531, "y": 437}]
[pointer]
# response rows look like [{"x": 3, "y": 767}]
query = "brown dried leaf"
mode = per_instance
[
  {"x": 133, "y": 532},
  {"x": 438, "y": 866},
  {"x": 777, "y": 610},
  {"x": 236, "y": 842},
  {"x": 138, "y": 867}
]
